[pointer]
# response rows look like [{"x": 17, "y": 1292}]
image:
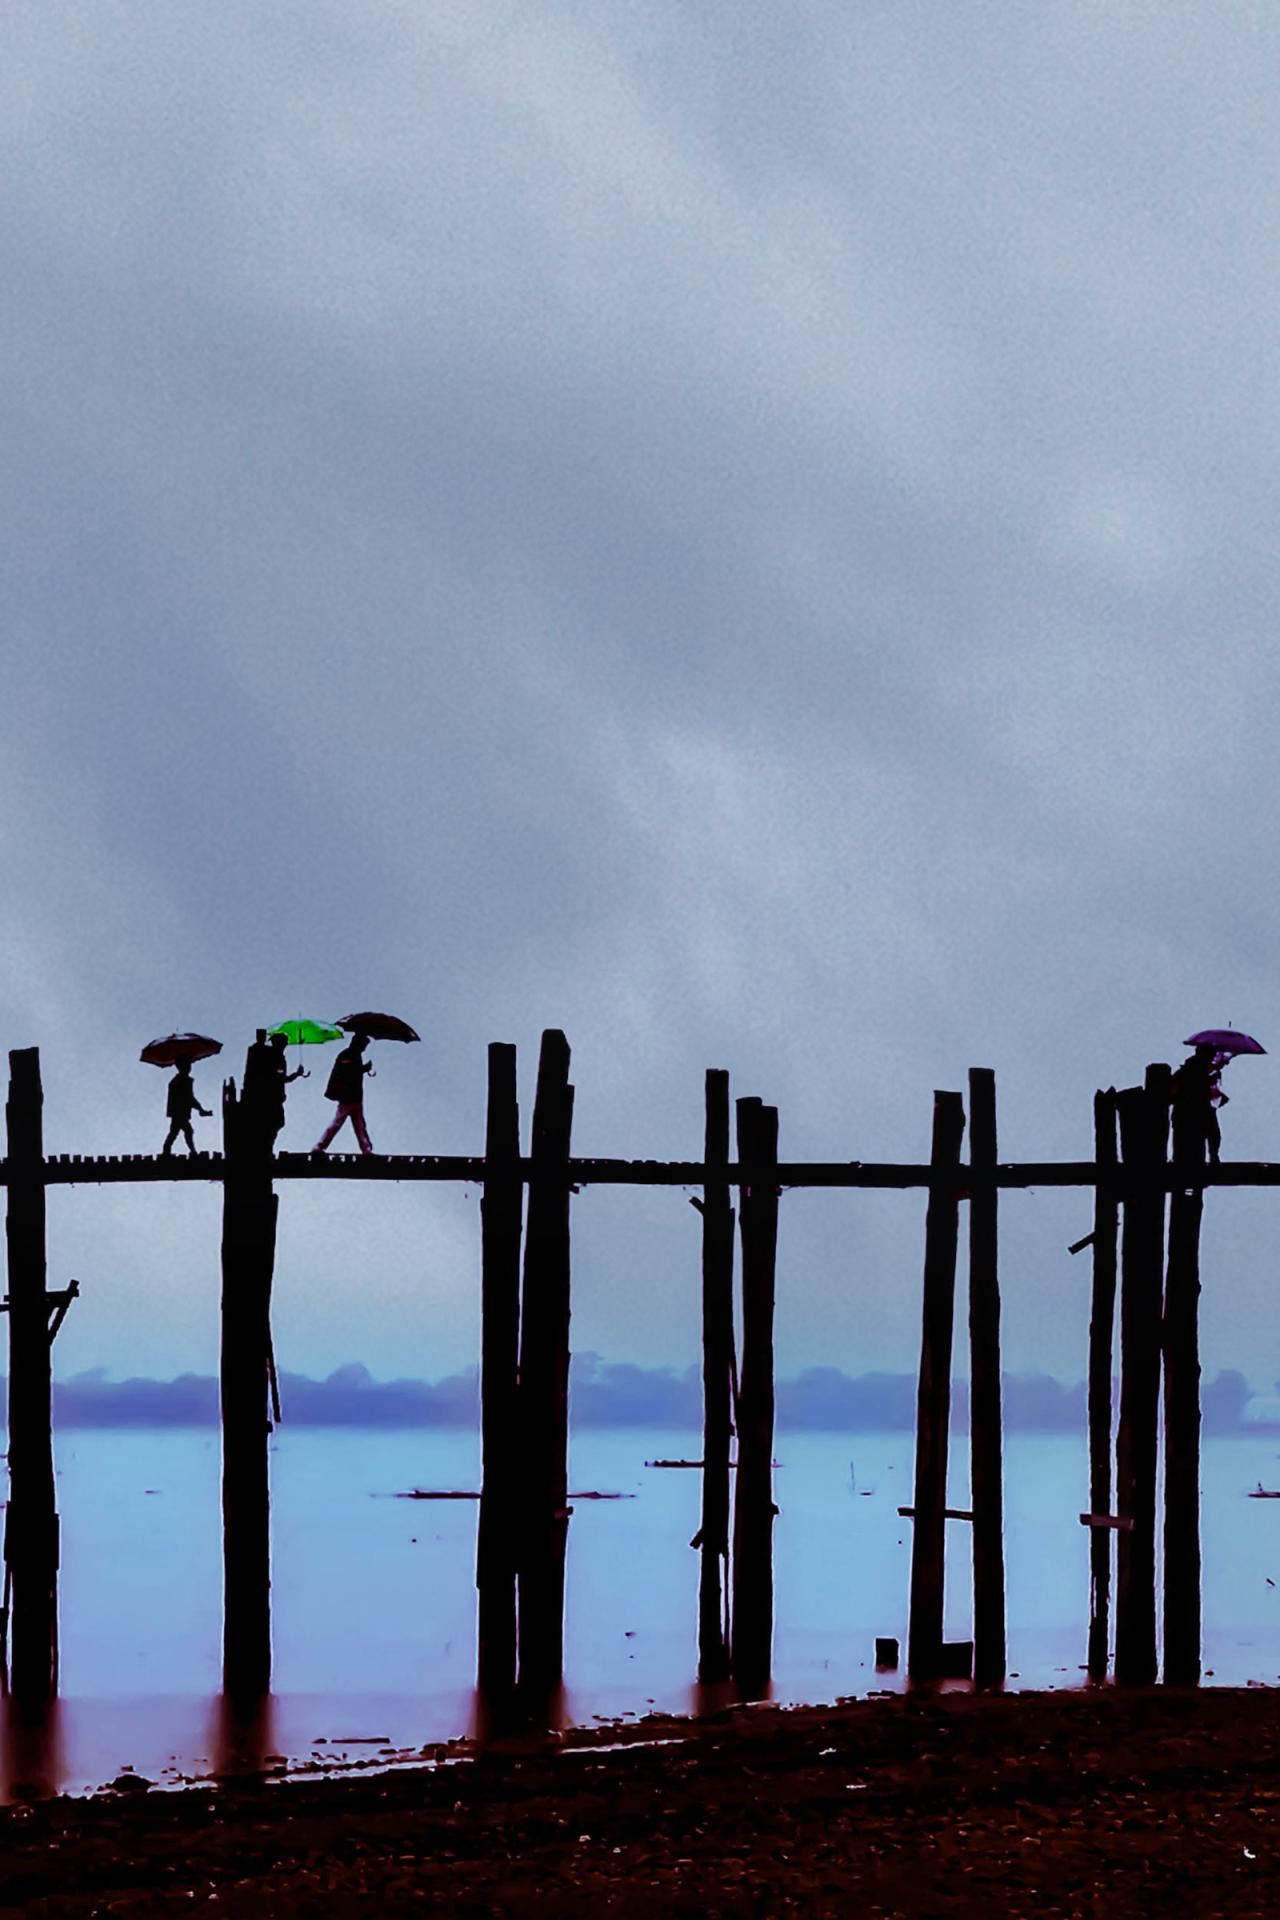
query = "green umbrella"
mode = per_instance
[{"x": 307, "y": 1033}]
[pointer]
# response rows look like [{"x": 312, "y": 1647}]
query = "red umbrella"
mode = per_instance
[
  {"x": 177, "y": 1047},
  {"x": 378, "y": 1026}
]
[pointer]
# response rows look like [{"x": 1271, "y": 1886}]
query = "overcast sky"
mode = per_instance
[{"x": 747, "y": 534}]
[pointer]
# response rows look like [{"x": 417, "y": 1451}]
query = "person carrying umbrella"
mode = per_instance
[
  {"x": 282, "y": 1080},
  {"x": 180, "y": 1104},
  {"x": 1197, "y": 1091},
  {"x": 346, "y": 1086},
  {"x": 179, "y": 1050}
]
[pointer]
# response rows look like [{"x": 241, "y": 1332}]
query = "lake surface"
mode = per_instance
[{"x": 374, "y": 1597}]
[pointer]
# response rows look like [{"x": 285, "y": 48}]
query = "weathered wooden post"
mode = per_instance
[
  {"x": 31, "y": 1520},
  {"x": 249, "y": 1208},
  {"x": 1144, "y": 1129},
  {"x": 1104, "y": 1241},
  {"x": 717, "y": 1365},
  {"x": 544, "y": 1386},
  {"x": 753, "y": 1512},
  {"x": 933, "y": 1401},
  {"x": 1182, "y": 1404},
  {"x": 986, "y": 1464},
  {"x": 497, "y": 1550}
]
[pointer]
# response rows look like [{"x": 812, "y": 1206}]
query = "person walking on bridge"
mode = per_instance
[
  {"x": 180, "y": 1104},
  {"x": 1197, "y": 1094},
  {"x": 282, "y": 1079},
  {"x": 346, "y": 1086}
]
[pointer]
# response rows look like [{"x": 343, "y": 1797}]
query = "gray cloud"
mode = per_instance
[{"x": 747, "y": 538}]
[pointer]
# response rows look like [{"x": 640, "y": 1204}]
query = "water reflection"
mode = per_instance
[
  {"x": 31, "y": 1763},
  {"x": 710, "y": 1697},
  {"x": 243, "y": 1736},
  {"x": 141, "y": 1586}
]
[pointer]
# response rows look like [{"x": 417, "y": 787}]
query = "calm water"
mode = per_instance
[{"x": 374, "y": 1597}]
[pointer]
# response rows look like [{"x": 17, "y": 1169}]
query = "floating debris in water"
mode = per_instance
[{"x": 445, "y": 1493}]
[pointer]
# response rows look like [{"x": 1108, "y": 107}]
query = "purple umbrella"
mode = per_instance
[{"x": 1225, "y": 1040}]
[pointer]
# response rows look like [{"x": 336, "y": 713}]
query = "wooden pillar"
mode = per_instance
[
  {"x": 1182, "y": 1407},
  {"x": 1104, "y": 1239},
  {"x": 753, "y": 1513},
  {"x": 497, "y": 1551},
  {"x": 1144, "y": 1128},
  {"x": 544, "y": 1385},
  {"x": 717, "y": 1365},
  {"x": 249, "y": 1207},
  {"x": 933, "y": 1403},
  {"x": 986, "y": 1464},
  {"x": 31, "y": 1519}
]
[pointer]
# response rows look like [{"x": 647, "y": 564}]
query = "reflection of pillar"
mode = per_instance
[
  {"x": 243, "y": 1735},
  {"x": 249, "y": 1207},
  {"x": 31, "y": 1749},
  {"x": 717, "y": 1369},
  {"x": 497, "y": 1546},
  {"x": 754, "y": 1510},
  {"x": 933, "y": 1399},
  {"x": 31, "y": 1522},
  {"x": 544, "y": 1383}
]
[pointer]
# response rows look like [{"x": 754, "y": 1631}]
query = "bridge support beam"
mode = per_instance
[
  {"x": 249, "y": 1206},
  {"x": 933, "y": 1399},
  {"x": 544, "y": 1389},
  {"x": 1144, "y": 1135},
  {"x": 31, "y": 1520},
  {"x": 753, "y": 1509},
  {"x": 717, "y": 1385},
  {"x": 497, "y": 1550}
]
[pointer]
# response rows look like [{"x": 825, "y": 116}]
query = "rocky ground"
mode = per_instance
[{"x": 1053, "y": 1805}]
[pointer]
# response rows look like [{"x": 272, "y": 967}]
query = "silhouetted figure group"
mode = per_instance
[{"x": 266, "y": 1077}]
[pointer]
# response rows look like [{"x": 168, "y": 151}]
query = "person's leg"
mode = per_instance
[
  {"x": 188, "y": 1136},
  {"x": 339, "y": 1115},
  {"x": 362, "y": 1132},
  {"x": 172, "y": 1136},
  {"x": 1213, "y": 1132}
]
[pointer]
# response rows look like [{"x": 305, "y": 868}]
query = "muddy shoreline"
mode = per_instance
[{"x": 1048, "y": 1804}]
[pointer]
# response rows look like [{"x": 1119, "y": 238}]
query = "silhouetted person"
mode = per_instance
[
  {"x": 346, "y": 1086},
  {"x": 1197, "y": 1092},
  {"x": 180, "y": 1104},
  {"x": 260, "y": 1096},
  {"x": 282, "y": 1080}
]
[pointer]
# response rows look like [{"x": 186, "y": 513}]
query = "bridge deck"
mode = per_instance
[{"x": 73, "y": 1169}]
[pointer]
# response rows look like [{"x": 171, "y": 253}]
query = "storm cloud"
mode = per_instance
[{"x": 747, "y": 536}]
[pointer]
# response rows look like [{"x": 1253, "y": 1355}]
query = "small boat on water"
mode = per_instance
[{"x": 1265, "y": 1493}]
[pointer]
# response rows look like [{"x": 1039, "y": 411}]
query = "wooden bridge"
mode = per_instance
[
  {"x": 75, "y": 1169},
  {"x": 525, "y": 1309}
]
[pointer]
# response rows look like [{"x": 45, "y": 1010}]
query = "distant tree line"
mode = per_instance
[{"x": 604, "y": 1394}]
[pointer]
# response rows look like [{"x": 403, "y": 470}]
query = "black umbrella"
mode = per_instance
[
  {"x": 378, "y": 1026},
  {"x": 178, "y": 1047}
]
